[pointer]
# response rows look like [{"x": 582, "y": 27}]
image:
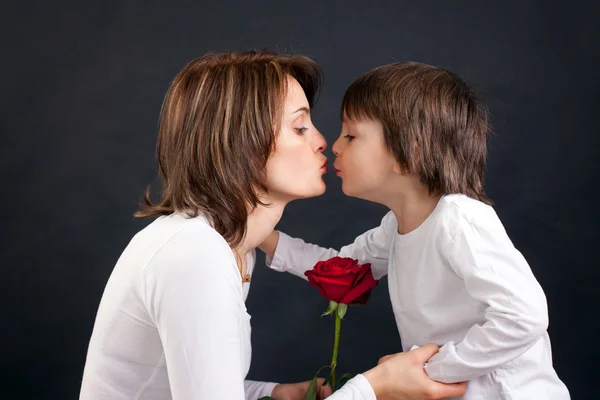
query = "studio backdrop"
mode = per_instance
[{"x": 82, "y": 85}]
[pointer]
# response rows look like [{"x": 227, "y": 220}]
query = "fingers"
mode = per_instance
[
  {"x": 445, "y": 390},
  {"x": 424, "y": 353},
  {"x": 323, "y": 391}
]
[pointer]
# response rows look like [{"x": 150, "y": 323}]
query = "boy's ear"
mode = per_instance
[
  {"x": 397, "y": 168},
  {"x": 416, "y": 156}
]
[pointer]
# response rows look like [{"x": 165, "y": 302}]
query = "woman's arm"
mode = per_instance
[
  {"x": 193, "y": 294},
  {"x": 256, "y": 389},
  {"x": 399, "y": 376}
]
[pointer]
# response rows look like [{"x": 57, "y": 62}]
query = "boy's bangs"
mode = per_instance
[{"x": 360, "y": 102}]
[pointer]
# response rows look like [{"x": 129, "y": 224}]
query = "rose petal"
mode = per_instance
[
  {"x": 342, "y": 279},
  {"x": 313, "y": 280},
  {"x": 360, "y": 287},
  {"x": 363, "y": 297}
]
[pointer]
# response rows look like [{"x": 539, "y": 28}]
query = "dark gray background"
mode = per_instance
[{"x": 82, "y": 85}]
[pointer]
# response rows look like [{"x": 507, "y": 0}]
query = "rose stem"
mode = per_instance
[{"x": 336, "y": 343}]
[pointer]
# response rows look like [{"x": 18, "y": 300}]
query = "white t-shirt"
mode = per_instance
[
  {"x": 457, "y": 281},
  {"x": 172, "y": 322}
]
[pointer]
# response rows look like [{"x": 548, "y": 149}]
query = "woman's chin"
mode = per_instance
[
  {"x": 315, "y": 191},
  {"x": 320, "y": 189}
]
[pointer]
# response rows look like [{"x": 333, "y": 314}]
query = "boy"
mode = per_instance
[{"x": 414, "y": 139}]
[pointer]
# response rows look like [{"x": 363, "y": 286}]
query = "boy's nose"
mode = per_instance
[{"x": 336, "y": 148}]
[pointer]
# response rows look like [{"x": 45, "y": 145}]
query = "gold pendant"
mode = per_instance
[{"x": 246, "y": 278}]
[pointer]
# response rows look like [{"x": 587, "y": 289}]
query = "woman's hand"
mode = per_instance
[
  {"x": 401, "y": 377},
  {"x": 297, "y": 391}
]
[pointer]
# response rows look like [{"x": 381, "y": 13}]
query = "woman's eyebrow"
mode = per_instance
[{"x": 303, "y": 109}]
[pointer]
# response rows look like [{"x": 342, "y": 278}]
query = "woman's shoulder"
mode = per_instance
[
  {"x": 178, "y": 241},
  {"x": 171, "y": 228},
  {"x": 191, "y": 264}
]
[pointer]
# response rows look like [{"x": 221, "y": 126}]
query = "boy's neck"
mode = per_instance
[{"x": 412, "y": 207}]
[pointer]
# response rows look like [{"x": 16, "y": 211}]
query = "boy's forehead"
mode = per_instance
[
  {"x": 356, "y": 115},
  {"x": 362, "y": 125},
  {"x": 356, "y": 120},
  {"x": 347, "y": 120}
]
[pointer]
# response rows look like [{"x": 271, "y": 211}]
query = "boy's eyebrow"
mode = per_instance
[{"x": 303, "y": 109}]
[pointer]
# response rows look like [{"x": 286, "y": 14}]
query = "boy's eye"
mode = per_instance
[
  {"x": 349, "y": 137},
  {"x": 301, "y": 130}
]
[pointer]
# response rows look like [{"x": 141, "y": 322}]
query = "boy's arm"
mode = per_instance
[
  {"x": 497, "y": 275},
  {"x": 288, "y": 254}
]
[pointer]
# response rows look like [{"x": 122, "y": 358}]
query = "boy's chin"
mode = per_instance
[{"x": 350, "y": 191}]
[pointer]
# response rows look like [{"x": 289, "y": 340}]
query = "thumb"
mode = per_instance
[
  {"x": 423, "y": 354},
  {"x": 446, "y": 390}
]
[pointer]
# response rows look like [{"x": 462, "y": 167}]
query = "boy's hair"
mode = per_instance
[
  {"x": 432, "y": 121},
  {"x": 218, "y": 126}
]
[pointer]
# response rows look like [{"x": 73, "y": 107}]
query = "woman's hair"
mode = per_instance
[
  {"x": 218, "y": 126},
  {"x": 433, "y": 123}
]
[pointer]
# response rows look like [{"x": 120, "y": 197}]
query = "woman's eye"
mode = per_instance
[
  {"x": 301, "y": 130},
  {"x": 349, "y": 137}
]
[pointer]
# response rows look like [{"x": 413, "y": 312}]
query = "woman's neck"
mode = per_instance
[{"x": 261, "y": 222}]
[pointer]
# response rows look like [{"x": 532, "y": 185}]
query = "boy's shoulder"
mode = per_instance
[{"x": 457, "y": 211}]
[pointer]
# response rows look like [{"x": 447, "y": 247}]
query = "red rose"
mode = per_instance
[{"x": 342, "y": 280}]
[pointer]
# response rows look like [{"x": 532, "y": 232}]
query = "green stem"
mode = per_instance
[{"x": 336, "y": 343}]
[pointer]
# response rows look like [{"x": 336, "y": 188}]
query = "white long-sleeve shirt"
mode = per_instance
[
  {"x": 172, "y": 322},
  {"x": 457, "y": 281}
]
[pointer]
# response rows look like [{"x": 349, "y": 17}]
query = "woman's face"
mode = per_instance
[{"x": 296, "y": 167}]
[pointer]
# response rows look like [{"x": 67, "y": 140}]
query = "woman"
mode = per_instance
[{"x": 236, "y": 144}]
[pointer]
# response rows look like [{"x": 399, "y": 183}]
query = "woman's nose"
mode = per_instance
[{"x": 320, "y": 142}]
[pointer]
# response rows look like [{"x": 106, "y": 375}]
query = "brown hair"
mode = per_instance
[
  {"x": 217, "y": 129},
  {"x": 433, "y": 124}
]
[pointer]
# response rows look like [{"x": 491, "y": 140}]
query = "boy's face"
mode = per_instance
[{"x": 363, "y": 162}]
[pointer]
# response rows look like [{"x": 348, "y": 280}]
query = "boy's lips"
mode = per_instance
[{"x": 324, "y": 166}]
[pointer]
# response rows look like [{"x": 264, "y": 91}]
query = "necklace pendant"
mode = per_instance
[{"x": 246, "y": 278}]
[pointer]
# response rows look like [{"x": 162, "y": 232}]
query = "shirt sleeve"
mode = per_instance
[
  {"x": 357, "y": 388},
  {"x": 496, "y": 274},
  {"x": 255, "y": 390},
  {"x": 194, "y": 296},
  {"x": 296, "y": 256}
]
